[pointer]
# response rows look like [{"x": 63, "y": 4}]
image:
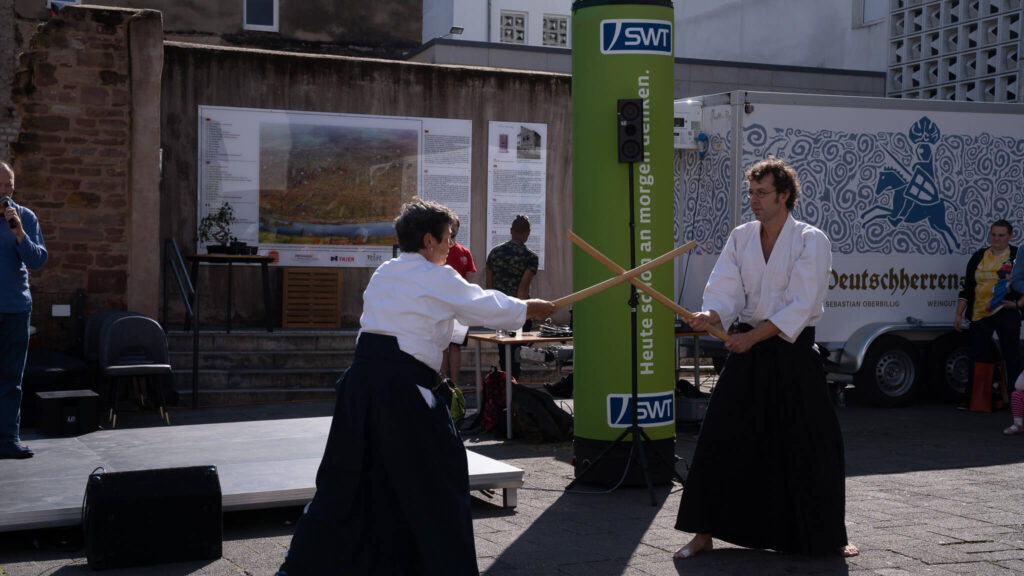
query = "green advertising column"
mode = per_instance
[{"x": 622, "y": 50}]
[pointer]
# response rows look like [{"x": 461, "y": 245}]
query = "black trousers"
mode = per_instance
[
  {"x": 769, "y": 468},
  {"x": 1006, "y": 325},
  {"x": 393, "y": 487}
]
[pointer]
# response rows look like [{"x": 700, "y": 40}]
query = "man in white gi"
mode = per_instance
[
  {"x": 768, "y": 470},
  {"x": 393, "y": 486}
]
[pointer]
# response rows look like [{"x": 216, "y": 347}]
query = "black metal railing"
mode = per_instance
[{"x": 174, "y": 265}]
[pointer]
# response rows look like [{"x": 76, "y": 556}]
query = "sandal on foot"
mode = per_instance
[
  {"x": 1013, "y": 429},
  {"x": 849, "y": 551}
]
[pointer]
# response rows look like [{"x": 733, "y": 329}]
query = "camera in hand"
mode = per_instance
[{"x": 7, "y": 204}]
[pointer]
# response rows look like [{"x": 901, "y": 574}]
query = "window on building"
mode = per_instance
[
  {"x": 868, "y": 12},
  {"x": 260, "y": 15},
  {"x": 513, "y": 27},
  {"x": 556, "y": 31}
]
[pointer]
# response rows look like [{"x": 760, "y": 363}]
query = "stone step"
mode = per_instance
[
  {"x": 285, "y": 378},
  {"x": 252, "y": 340},
  {"x": 252, "y": 365},
  {"x": 225, "y": 351},
  {"x": 337, "y": 360},
  {"x": 277, "y": 395},
  {"x": 255, "y": 396},
  {"x": 234, "y": 379}
]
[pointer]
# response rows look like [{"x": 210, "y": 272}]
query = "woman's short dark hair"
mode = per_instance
[
  {"x": 785, "y": 178},
  {"x": 421, "y": 217},
  {"x": 1004, "y": 224}
]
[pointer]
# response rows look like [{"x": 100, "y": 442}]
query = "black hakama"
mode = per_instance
[
  {"x": 393, "y": 487},
  {"x": 769, "y": 468}
]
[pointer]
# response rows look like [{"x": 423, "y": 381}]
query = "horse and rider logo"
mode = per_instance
[{"x": 915, "y": 195}]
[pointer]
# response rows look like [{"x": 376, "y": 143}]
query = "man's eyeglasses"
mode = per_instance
[{"x": 760, "y": 194}]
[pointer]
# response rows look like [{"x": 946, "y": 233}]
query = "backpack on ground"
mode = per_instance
[
  {"x": 493, "y": 411},
  {"x": 536, "y": 418}
]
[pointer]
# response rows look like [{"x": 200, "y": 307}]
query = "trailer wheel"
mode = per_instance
[
  {"x": 890, "y": 372},
  {"x": 952, "y": 364}
]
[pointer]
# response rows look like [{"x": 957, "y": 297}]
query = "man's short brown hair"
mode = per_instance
[{"x": 786, "y": 179}]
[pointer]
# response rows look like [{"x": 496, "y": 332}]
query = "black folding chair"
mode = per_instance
[
  {"x": 134, "y": 348},
  {"x": 91, "y": 341}
]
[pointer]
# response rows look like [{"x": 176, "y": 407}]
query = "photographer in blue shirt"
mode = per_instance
[{"x": 21, "y": 250}]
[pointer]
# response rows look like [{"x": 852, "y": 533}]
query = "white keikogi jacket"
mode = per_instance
[
  {"x": 417, "y": 302},
  {"x": 789, "y": 289}
]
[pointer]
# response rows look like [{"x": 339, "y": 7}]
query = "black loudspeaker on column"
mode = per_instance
[
  {"x": 152, "y": 516},
  {"x": 631, "y": 129}
]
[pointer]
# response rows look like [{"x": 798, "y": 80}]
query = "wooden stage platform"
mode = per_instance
[{"x": 261, "y": 464}]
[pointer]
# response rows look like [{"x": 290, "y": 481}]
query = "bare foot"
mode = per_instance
[
  {"x": 849, "y": 551},
  {"x": 700, "y": 543}
]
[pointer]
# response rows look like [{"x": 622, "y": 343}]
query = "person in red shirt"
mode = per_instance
[{"x": 461, "y": 259}]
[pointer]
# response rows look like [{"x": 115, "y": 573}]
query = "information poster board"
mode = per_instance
[
  {"x": 517, "y": 160},
  {"x": 322, "y": 189}
]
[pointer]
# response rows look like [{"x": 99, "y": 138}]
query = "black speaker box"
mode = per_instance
[
  {"x": 152, "y": 516},
  {"x": 67, "y": 412},
  {"x": 631, "y": 129}
]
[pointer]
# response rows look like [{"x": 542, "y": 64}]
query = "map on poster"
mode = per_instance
[
  {"x": 517, "y": 160},
  {"x": 321, "y": 189}
]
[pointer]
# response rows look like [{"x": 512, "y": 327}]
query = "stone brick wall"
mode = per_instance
[
  {"x": 8, "y": 52},
  {"x": 73, "y": 155}
]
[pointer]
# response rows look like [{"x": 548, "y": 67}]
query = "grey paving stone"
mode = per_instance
[{"x": 929, "y": 491}]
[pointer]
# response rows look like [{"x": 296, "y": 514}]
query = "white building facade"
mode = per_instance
[
  {"x": 837, "y": 34},
  {"x": 516, "y": 22}
]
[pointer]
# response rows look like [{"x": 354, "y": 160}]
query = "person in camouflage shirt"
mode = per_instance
[{"x": 511, "y": 267}]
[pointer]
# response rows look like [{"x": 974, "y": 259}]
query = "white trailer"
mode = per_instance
[{"x": 905, "y": 189}]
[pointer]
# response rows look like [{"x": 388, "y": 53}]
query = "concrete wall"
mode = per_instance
[
  {"x": 86, "y": 158},
  {"x": 692, "y": 77},
  {"x": 195, "y": 75},
  {"x": 696, "y": 78},
  {"x": 814, "y": 33}
]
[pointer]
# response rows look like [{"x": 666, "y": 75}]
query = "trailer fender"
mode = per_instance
[{"x": 855, "y": 349}]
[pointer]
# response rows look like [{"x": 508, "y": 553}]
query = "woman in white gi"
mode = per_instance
[
  {"x": 768, "y": 470},
  {"x": 393, "y": 486}
]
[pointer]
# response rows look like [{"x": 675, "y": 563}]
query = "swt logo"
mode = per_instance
[
  {"x": 655, "y": 409},
  {"x": 636, "y": 37}
]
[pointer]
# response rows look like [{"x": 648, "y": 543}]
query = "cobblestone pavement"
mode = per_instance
[{"x": 930, "y": 490}]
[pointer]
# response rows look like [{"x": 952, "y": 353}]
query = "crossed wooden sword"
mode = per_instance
[{"x": 631, "y": 276}]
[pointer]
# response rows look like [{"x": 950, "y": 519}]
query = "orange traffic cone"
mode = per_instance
[{"x": 981, "y": 392}]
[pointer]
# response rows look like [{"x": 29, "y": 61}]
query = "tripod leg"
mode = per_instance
[
  {"x": 661, "y": 458},
  {"x": 638, "y": 447},
  {"x": 598, "y": 459}
]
